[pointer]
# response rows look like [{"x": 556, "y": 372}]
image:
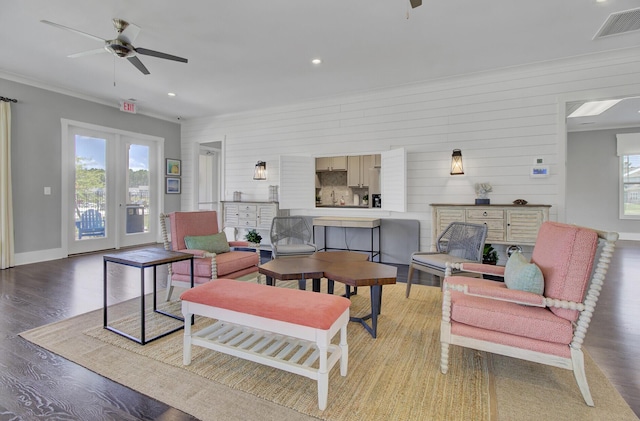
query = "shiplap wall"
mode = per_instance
[{"x": 501, "y": 120}]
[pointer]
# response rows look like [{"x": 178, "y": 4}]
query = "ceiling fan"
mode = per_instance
[{"x": 121, "y": 46}]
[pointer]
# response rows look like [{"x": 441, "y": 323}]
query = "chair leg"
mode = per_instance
[
  {"x": 409, "y": 276},
  {"x": 581, "y": 378},
  {"x": 169, "y": 289},
  {"x": 444, "y": 357},
  {"x": 445, "y": 332}
]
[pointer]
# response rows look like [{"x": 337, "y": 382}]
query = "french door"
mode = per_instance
[{"x": 113, "y": 193}]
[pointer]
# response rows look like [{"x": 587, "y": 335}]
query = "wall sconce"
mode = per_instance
[
  {"x": 260, "y": 171},
  {"x": 456, "y": 162}
]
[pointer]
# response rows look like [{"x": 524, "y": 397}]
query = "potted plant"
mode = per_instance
[
  {"x": 365, "y": 199},
  {"x": 253, "y": 237},
  {"x": 489, "y": 255}
]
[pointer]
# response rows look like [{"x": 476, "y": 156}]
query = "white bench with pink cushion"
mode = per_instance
[{"x": 283, "y": 328}]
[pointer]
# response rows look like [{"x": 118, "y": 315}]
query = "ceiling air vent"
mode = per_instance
[{"x": 619, "y": 23}]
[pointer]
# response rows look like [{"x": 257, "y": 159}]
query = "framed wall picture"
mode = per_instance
[
  {"x": 173, "y": 185},
  {"x": 173, "y": 167}
]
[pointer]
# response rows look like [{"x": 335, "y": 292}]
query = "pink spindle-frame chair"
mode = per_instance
[
  {"x": 547, "y": 329},
  {"x": 207, "y": 266}
]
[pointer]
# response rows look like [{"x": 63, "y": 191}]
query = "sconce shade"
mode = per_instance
[
  {"x": 260, "y": 172},
  {"x": 456, "y": 162}
]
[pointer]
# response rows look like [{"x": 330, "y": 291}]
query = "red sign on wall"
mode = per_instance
[{"x": 128, "y": 107}]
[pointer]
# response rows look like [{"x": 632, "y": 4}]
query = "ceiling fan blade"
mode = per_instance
[
  {"x": 158, "y": 54},
  {"x": 57, "y": 25},
  {"x": 88, "y": 53},
  {"x": 415, "y": 3},
  {"x": 130, "y": 33},
  {"x": 136, "y": 62}
]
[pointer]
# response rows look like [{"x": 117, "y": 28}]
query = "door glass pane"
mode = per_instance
[
  {"x": 90, "y": 187},
  {"x": 138, "y": 199}
]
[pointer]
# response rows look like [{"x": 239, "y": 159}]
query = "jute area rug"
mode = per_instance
[{"x": 393, "y": 377}]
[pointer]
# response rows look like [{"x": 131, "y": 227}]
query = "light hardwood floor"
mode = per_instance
[{"x": 36, "y": 384}]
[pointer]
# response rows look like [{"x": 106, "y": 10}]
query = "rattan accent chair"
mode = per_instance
[
  {"x": 460, "y": 242},
  {"x": 291, "y": 236}
]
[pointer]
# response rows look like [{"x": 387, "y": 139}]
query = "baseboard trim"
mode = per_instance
[
  {"x": 38, "y": 256},
  {"x": 631, "y": 236}
]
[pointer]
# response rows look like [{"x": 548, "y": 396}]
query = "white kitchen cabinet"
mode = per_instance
[
  {"x": 359, "y": 170},
  {"x": 331, "y": 163}
]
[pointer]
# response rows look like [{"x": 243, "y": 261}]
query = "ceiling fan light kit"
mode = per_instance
[{"x": 122, "y": 46}]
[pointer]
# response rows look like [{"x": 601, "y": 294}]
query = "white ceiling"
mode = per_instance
[{"x": 254, "y": 54}]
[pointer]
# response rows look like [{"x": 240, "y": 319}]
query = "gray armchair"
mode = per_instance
[
  {"x": 291, "y": 236},
  {"x": 460, "y": 242}
]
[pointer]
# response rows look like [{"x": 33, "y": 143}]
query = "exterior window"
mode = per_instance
[{"x": 630, "y": 187}]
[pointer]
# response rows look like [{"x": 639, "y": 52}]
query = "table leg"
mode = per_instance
[
  {"x": 192, "y": 276},
  {"x": 316, "y": 285},
  {"x": 372, "y": 244},
  {"x": 376, "y": 294},
  {"x": 379, "y": 245},
  {"x": 155, "y": 305},
  {"x": 330, "y": 285},
  {"x": 193, "y": 316},
  {"x": 376, "y": 301},
  {"x": 142, "y": 338},
  {"x": 348, "y": 292},
  {"x": 269, "y": 280},
  {"x": 324, "y": 231},
  {"x": 104, "y": 301}
]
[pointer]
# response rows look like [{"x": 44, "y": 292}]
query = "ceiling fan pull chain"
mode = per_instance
[{"x": 114, "y": 71}]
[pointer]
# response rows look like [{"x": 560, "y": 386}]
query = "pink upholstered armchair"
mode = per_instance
[
  {"x": 207, "y": 265},
  {"x": 547, "y": 328}
]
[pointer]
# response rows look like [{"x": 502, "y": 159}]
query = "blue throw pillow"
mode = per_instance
[
  {"x": 522, "y": 275},
  {"x": 215, "y": 243}
]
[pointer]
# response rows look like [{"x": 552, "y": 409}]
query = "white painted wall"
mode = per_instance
[{"x": 501, "y": 121}]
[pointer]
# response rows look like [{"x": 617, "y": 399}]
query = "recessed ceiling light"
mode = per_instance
[
  {"x": 171, "y": 94},
  {"x": 594, "y": 108},
  {"x": 316, "y": 61}
]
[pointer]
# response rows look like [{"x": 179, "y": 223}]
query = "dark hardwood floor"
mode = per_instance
[{"x": 36, "y": 384}]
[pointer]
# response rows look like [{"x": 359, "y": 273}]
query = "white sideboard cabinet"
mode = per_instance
[
  {"x": 245, "y": 216},
  {"x": 507, "y": 224}
]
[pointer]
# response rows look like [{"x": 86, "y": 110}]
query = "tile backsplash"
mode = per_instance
[{"x": 334, "y": 187}]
